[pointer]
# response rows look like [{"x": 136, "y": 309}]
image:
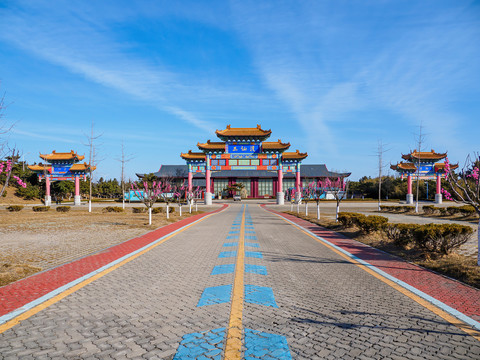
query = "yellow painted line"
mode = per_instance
[
  {"x": 11, "y": 323},
  {"x": 433, "y": 308},
  {"x": 233, "y": 346}
]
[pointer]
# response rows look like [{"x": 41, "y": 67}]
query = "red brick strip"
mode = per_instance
[
  {"x": 451, "y": 292},
  {"x": 19, "y": 293}
]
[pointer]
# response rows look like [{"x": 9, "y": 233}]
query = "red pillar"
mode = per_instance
[
  {"x": 77, "y": 185},
  {"x": 409, "y": 184},
  {"x": 190, "y": 181},
  {"x": 280, "y": 180},
  {"x": 47, "y": 185},
  {"x": 439, "y": 184},
  {"x": 208, "y": 180},
  {"x": 297, "y": 181}
]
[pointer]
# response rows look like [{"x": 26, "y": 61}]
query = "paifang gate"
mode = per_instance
[{"x": 244, "y": 156}]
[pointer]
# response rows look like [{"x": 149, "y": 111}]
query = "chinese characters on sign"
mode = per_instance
[{"x": 243, "y": 149}]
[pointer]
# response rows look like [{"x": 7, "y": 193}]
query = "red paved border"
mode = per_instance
[
  {"x": 459, "y": 296},
  {"x": 22, "y": 292}
]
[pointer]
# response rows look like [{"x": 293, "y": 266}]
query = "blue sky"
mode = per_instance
[{"x": 331, "y": 77}]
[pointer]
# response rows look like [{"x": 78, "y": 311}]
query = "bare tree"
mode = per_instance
[
  {"x": 466, "y": 187},
  {"x": 92, "y": 159},
  {"x": 380, "y": 153},
  {"x": 123, "y": 160},
  {"x": 420, "y": 141}
]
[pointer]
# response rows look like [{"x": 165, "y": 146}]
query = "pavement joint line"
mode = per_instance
[
  {"x": 467, "y": 324},
  {"x": 233, "y": 345},
  {"x": 16, "y": 316}
]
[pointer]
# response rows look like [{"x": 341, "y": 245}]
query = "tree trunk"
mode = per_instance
[
  {"x": 306, "y": 208},
  {"x": 336, "y": 213},
  {"x": 168, "y": 212},
  {"x": 190, "y": 207},
  {"x": 318, "y": 211},
  {"x": 180, "y": 208},
  {"x": 298, "y": 207},
  {"x": 196, "y": 207},
  {"x": 149, "y": 216},
  {"x": 6, "y": 183}
]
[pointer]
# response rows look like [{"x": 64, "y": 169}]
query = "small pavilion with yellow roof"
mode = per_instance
[
  {"x": 424, "y": 166},
  {"x": 61, "y": 166}
]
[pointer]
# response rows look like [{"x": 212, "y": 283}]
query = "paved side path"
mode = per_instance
[{"x": 299, "y": 300}]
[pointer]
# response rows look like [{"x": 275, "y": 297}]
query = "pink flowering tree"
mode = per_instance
[
  {"x": 149, "y": 193},
  {"x": 292, "y": 198},
  {"x": 192, "y": 197},
  {"x": 308, "y": 194},
  {"x": 6, "y": 169},
  {"x": 339, "y": 191},
  {"x": 465, "y": 187},
  {"x": 319, "y": 193},
  {"x": 179, "y": 193}
]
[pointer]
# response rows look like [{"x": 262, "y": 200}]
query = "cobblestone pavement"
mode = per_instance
[{"x": 301, "y": 300}]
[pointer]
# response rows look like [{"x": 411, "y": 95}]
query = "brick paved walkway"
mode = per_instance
[{"x": 298, "y": 299}]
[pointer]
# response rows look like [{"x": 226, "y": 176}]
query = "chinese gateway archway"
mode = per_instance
[
  {"x": 62, "y": 167},
  {"x": 243, "y": 156},
  {"x": 430, "y": 167}
]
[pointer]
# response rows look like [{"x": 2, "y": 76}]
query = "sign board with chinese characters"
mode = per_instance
[{"x": 243, "y": 149}]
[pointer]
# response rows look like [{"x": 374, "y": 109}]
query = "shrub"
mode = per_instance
[
  {"x": 348, "y": 219},
  {"x": 14, "y": 207},
  {"x": 63, "y": 208},
  {"x": 452, "y": 210},
  {"x": 372, "y": 223},
  {"x": 443, "y": 211},
  {"x": 467, "y": 210},
  {"x": 401, "y": 234},
  {"x": 163, "y": 210},
  {"x": 408, "y": 209},
  {"x": 441, "y": 238},
  {"x": 429, "y": 209},
  {"x": 116, "y": 209},
  {"x": 139, "y": 210},
  {"x": 41, "y": 208}
]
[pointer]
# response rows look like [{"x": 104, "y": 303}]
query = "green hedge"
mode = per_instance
[
  {"x": 40, "y": 208},
  {"x": 163, "y": 210},
  {"x": 430, "y": 238},
  {"x": 116, "y": 209},
  {"x": 139, "y": 210},
  {"x": 372, "y": 223},
  {"x": 441, "y": 238},
  {"x": 14, "y": 208},
  {"x": 63, "y": 208}
]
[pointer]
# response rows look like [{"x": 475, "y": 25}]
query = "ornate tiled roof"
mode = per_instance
[
  {"x": 211, "y": 145},
  {"x": 193, "y": 155},
  {"x": 274, "y": 145},
  {"x": 82, "y": 167},
  {"x": 243, "y": 132},
  {"x": 72, "y": 155},
  {"x": 424, "y": 155},
  {"x": 401, "y": 166},
  {"x": 441, "y": 166},
  {"x": 39, "y": 167},
  {"x": 294, "y": 155}
]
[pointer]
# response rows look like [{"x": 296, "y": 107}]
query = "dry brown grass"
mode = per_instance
[
  {"x": 456, "y": 266},
  {"x": 33, "y": 241}
]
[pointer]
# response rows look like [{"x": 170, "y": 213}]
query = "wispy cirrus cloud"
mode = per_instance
[{"x": 335, "y": 65}]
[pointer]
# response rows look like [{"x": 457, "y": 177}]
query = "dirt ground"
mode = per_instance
[{"x": 33, "y": 241}]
